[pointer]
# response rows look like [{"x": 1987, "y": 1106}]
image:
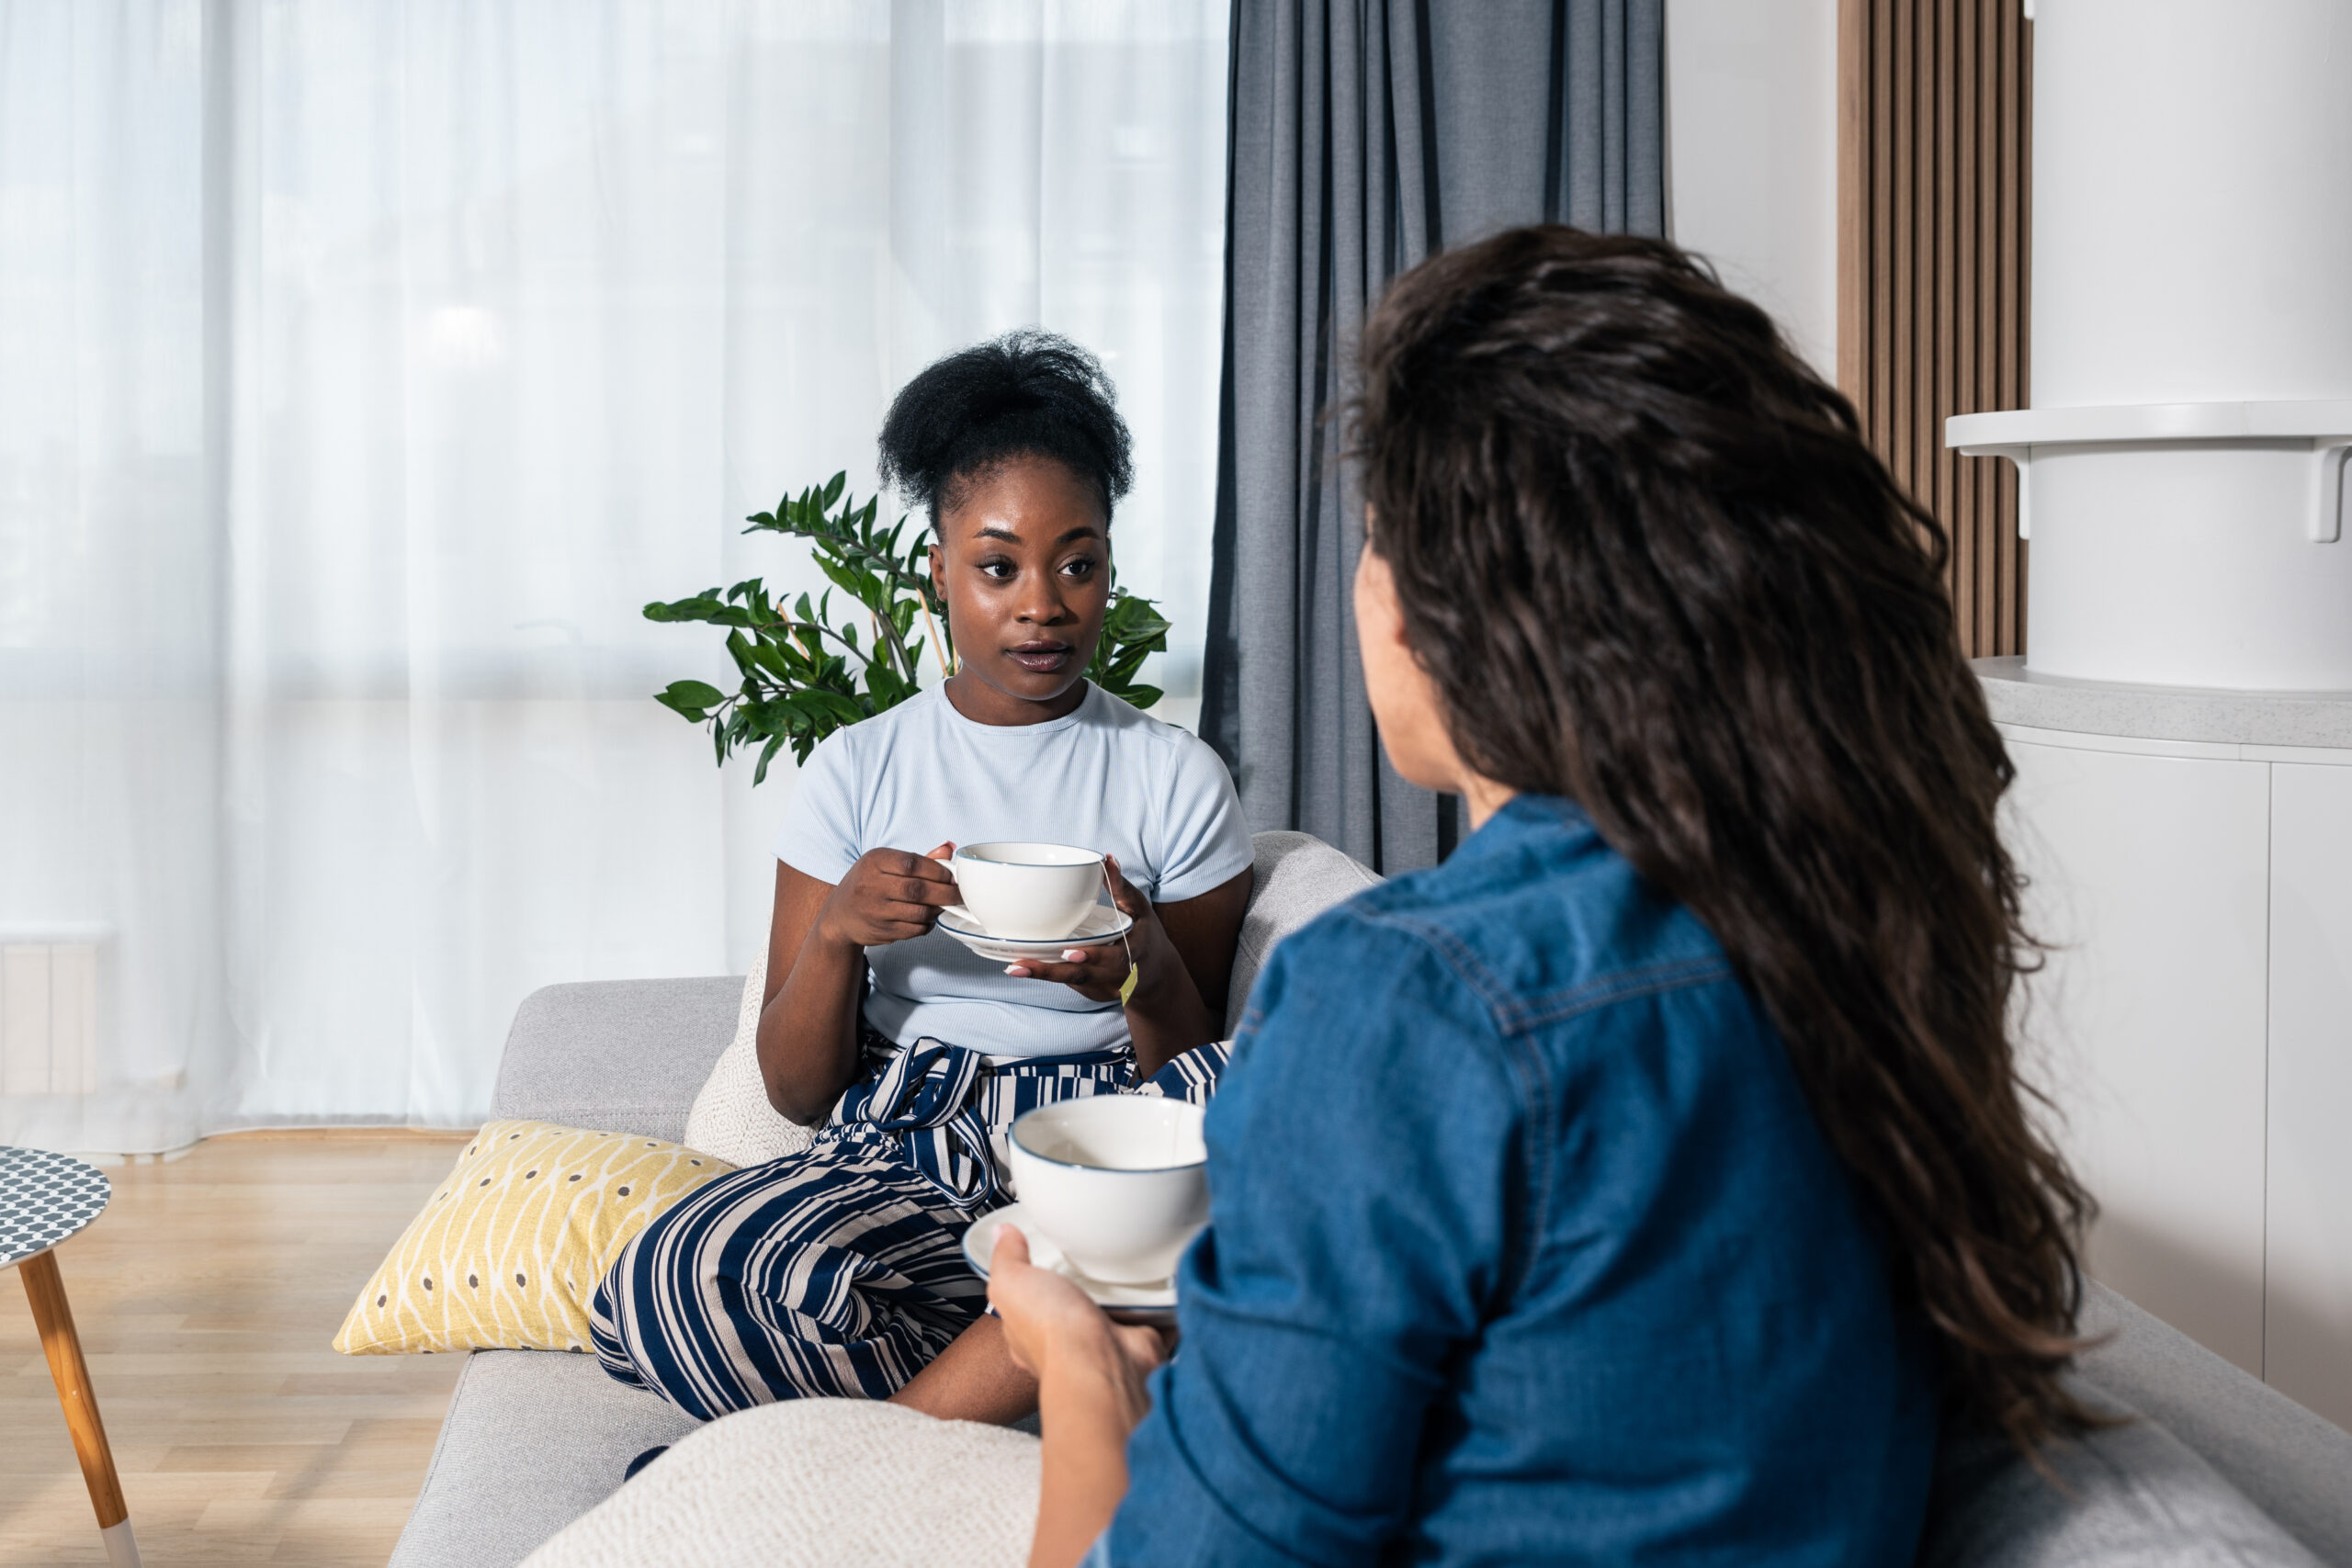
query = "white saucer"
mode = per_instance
[
  {"x": 1101, "y": 923},
  {"x": 1138, "y": 1303}
]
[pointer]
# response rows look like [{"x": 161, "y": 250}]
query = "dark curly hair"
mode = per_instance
[
  {"x": 1643, "y": 551},
  {"x": 1028, "y": 393}
]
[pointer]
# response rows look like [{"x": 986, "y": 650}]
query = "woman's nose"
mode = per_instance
[{"x": 1045, "y": 607}]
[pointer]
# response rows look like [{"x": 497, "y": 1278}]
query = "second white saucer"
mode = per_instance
[{"x": 1154, "y": 1302}]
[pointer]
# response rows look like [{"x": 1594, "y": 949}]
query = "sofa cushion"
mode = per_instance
[
  {"x": 508, "y": 1253},
  {"x": 533, "y": 1439},
  {"x": 2126, "y": 1497},
  {"x": 731, "y": 1117},
  {"x": 819, "y": 1482},
  {"x": 1296, "y": 876},
  {"x": 2291, "y": 1465},
  {"x": 617, "y": 1055}
]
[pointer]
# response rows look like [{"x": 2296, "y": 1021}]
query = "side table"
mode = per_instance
[{"x": 45, "y": 1198}]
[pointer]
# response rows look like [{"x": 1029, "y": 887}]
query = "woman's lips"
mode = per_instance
[{"x": 1040, "y": 658}]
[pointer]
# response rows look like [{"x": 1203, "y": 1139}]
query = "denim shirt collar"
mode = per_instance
[{"x": 1523, "y": 818}]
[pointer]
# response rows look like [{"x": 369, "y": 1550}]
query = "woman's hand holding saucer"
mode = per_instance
[
  {"x": 1050, "y": 1325},
  {"x": 889, "y": 895},
  {"x": 1145, "y": 971},
  {"x": 1099, "y": 974}
]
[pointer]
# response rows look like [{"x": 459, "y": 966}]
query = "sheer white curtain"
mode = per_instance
[{"x": 365, "y": 368}]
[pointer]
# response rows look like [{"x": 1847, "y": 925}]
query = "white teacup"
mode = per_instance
[
  {"x": 1028, "y": 892},
  {"x": 1118, "y": 1181}
]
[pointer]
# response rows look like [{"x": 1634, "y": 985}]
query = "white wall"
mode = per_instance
[{"x": 1751, "y": 90}]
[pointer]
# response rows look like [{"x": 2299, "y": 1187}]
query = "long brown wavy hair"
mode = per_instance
[{"x": 1651, "y": 566}]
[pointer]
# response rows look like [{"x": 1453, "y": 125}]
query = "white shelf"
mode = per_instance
[{"x": 1984, "y": 435}]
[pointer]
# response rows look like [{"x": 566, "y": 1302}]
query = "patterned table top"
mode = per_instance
[{"x": 44, "y": 1198}]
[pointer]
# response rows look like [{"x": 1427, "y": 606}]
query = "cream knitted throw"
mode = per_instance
[{"x": 836, "y": 1482}]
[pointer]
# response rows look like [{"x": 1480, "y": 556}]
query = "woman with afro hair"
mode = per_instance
[{"x": 840, "y": 1271}]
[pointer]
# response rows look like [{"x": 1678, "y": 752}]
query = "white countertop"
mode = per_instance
[{"x": 2018, "y": 697}]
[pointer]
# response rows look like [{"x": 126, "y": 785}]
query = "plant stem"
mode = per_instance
[{"x": 931, "y": 630}]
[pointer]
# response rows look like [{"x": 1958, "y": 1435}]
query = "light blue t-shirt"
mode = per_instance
[{"x": 1103, "y": 777}]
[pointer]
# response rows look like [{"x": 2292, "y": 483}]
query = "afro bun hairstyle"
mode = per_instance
[{"x": 1027, "y": 393}]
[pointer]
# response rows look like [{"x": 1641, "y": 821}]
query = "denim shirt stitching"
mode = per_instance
[
  {"x": 1534, "y": 1077},
  {"x": 1456, "y": 955},
  {"x": 1625, "y": 985},
  {"x": 1515, "y": 1016}
]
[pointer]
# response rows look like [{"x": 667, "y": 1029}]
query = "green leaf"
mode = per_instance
[
  {"x": 833, "y": 488},
  {"x": 775, "y": 659},
  {"x": 767, "y": 755},
  {"x": 702, "y": 607},
  {"x": 841, "y": 706},
  {"x": 844, "y": 579},
  {"x": 695, "y": 693},
  {"x": 1126, "y": 667}
]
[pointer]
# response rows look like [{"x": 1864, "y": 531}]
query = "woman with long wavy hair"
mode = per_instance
[{"x": 1649, "y": 1181}]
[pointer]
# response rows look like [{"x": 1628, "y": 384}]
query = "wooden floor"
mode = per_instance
[{"x": 205, "y": 1296}]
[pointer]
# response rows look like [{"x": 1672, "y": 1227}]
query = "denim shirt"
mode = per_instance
[{"x": 1525, "y": 1247}]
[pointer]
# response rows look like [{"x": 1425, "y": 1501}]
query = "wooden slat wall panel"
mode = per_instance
[{"x": 1935, "y": 124}]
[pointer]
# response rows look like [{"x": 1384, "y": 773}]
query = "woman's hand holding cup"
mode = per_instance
[
  {"x": 889, "y": 895},
  {"x": 1099, "y": 973}
]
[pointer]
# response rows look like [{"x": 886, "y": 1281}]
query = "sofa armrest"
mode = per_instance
[
  {"x": 2289, "y": 1462},
  {"x": 1296, "y": 876},
  {"x": 616, "y": 1056}
]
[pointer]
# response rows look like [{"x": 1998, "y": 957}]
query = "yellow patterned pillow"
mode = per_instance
[{"x": 509, "y": 1252}]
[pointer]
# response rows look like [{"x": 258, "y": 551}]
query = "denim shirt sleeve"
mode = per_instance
[{"x": 1367, "y": 1162}]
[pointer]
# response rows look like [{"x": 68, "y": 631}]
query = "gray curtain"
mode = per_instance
[{"x": 1365, "y": 135}]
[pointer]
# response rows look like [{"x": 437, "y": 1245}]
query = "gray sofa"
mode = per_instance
[{"x": 535, "y": 1440}]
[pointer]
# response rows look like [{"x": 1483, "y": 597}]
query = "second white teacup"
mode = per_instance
[
  {"x": 1028, "y": 892},
  {"x": 1118, "y": 1181}
]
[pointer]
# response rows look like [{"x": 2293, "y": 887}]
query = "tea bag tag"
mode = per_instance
[{"x": 1128, "y": 986}]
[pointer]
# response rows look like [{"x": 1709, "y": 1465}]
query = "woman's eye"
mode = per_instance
[
  {"x": 999, "y": 570},
  {"x": 1080, "y": 568}
]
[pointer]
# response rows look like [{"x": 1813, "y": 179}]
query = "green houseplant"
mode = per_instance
[{"x": 806, "y": 673}]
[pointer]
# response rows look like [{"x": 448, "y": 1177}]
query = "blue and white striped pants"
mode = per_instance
[{"x": 840, "y": 1270}]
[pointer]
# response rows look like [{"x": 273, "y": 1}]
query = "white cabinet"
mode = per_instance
[
  {"x": 2148, "y": 879},
  {"x": 2194, "y": 1027},
  {"x": 2308, "y": 1307}
]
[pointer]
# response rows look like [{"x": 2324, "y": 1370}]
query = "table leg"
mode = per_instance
[{"x": 55, "y": 1319}]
